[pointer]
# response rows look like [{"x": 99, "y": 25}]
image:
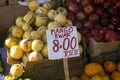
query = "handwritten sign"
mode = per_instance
[{"x": 62, "y": 42}]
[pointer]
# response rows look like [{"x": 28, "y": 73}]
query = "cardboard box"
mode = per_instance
[
  {"x": 2, "y": 2},
  {"x": 12, "y": 1},
  {"x": 8, "y": 14},
  {"x": 98, "y": 48}
]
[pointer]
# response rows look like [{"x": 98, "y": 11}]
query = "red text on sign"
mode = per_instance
[
  {"x": 71, "y": 53},
  {"x": 61, "y": 32}
]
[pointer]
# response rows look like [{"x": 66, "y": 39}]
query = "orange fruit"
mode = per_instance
[
  {"x": 93, "y": 69},
  {"x": 109, "y": 66}
]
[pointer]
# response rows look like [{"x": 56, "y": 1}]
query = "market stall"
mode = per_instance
[{"x": 60, "y": 39}]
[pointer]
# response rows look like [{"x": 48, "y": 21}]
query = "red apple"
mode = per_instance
[
  {"x": 117, "y": 4},
  {"x": 110, "y": 36},
  {"x": 111, "y": 27},
  {"x": 115, "y": 20},
  {"x": 71, "y": 16},
  {"x": 80, "y": 15},
  {"x": 98, "y": 1},
  {"x": 68, "y": 2},
  {"x": 88, "y": 24},
  {"x": 118, "y": 28},
  {"x": 73, "y": 7},
  {"x": 98, "y": 37},
  {"x": 78, "y": 24},
  {"x": 88, "y": 9},
  {"x": 108, "y": 3},
  {"x": 87, "y": 37},
  {"x": 94, "y": 31},
  {"x": 103, "y": 30},
  {"x": 104, "y": 20},
  {"x": 84, "y": 31},
  {"x": 98, "y": 26},
  {"x": 112, "y": 10},
  {"x": 118, "y": 35},
  {"x": 94, "y": 18},
  {"x": 99, "y": 11}
]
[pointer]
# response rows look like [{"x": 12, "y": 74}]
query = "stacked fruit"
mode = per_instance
[
  {"x": 27, "y": 39},
  {"x": 98, "y": 19},
  {"x": 94, "y": 71}
]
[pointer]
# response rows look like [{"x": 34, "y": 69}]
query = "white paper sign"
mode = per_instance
[{"x": 62, "y": 43}]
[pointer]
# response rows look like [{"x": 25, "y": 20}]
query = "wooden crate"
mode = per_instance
[
  {"x": 56, "y": 71},
  {"x": 3, "y": 35},
  {"x": 114, "y": 56}
]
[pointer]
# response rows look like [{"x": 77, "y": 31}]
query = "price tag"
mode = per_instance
[{"x": 62, "y": 43}]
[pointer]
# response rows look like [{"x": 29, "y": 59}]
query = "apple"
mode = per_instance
[
  {"x": 98, "y": 26},
  {"x": 112, "y": 10},
  {"x": 78, "y": 24},
  {"x": 84, "y": 30},
  {"x": 94, "y": 18},
  {"x": 68, "y": 2},
  {"x": 118, "y": 28},
  {"x": 117, "y": 4},
  {"x": 88, "y": 9},
  {"x": 94, "y": 31},
  {"x": 87, "y": 37},
  {"x": 108, "y": 3},
  {"x": 118, "y": 35},
  {"x": 80, "y": 15},
  {"x": 89, "y": 24},
  {"x": 98, "y": 2},
  {"x": 98, "y": 37},
  {"x": 104, "y": 20},
  {"x": 71, "y": 16},
  {"x": 110, "y": 36},
  {"x": 115, "y": 20},
  {"x": 103, "y": 30},
  {"x": 111, "y": 27},
  {"x": 73, "y": 7},
  {"x": 99, "y": 11}
]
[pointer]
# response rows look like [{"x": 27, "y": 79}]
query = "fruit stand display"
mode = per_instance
[
  {"x": 26, "y": 43},
  {"x": 98, "y": 32}
]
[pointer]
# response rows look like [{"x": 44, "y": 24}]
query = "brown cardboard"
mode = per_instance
[
  {"x": 98, "y": 48},
  {"x": 2, "y": 2},
  {"x": 12, "y": 1},
  {"x": 9, "y": 13}
]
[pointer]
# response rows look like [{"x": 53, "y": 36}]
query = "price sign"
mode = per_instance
[{"x": 62, "y": 42}]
